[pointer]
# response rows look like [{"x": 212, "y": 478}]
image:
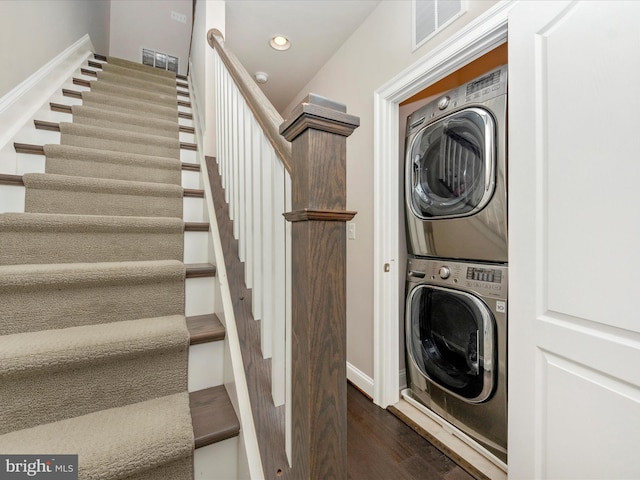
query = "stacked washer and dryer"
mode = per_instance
[{"x": 456, "y": 306}]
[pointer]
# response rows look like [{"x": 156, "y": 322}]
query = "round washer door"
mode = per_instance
[
  {"x": 451, "y": 340},
  {"x": 450, "y": 165}
]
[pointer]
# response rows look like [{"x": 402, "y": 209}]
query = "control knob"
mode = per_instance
[
  {"x": 444, "y": 272},
  {"x": 444, "y": 102}
]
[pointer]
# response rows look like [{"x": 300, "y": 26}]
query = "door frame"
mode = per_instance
[{"x": 483, "y": 34}]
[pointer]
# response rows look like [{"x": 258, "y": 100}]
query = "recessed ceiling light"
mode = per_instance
[{"x": 280, "y": 42}]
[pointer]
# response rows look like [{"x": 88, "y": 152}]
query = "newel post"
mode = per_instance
[{"x": 318, "y": 130}]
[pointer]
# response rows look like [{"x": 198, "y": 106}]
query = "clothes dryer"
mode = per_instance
[
  {"x": 456, "y": 338},
  {"x": 455, "y": 173}
]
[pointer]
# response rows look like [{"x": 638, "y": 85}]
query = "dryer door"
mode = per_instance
[
  {"x": 450, "y": 168},
  {"x": 451, "y": 340}
]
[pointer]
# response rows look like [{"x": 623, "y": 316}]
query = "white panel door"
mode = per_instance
[{"x": 574, "y": 220}]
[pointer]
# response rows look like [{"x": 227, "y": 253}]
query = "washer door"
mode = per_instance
[
  {"x": 451, "y": 338},
  {"x": 450, "y": 166}
]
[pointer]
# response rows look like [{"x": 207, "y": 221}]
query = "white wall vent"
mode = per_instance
[
  {"x": 160, "y": 60},
  {"x": 431, "y": 16}
]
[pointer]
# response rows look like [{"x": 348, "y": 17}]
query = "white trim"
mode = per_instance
[
  {"x": 196, "y": 99},
  {"x": 361, "y": 380},
  {"x": 239, "y": 388},
  {"x": 480, "y": 36},
  {"x": 23, "y": 101}
]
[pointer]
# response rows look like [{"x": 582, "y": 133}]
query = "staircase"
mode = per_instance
[{"x": 109, "y": 345}]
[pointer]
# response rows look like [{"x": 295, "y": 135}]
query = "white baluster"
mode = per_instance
[
  {"x": 241, "y": 210},
  {"x": 279, "y": 273},
  {"x": 256, "y": 162},
  {"x": 267, "y": 251}
]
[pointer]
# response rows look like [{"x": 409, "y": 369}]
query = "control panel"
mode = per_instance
[
  {"x": 481, "y": 89},
  {"x": 485, "y": 279}
]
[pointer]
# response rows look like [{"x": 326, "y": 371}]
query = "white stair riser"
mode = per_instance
[
  {"x": 199, "y": 296},
  {"x": 187, "y": 137},
  {"x": 188, "y": 156},
  {"x": 191, "y": 179},
  {"x": 218, "y": 461},
  {"x": 196, "y": 247},
  {"x": 193, "y": 209},
  {"x": 206, "y": 365},
  {"x": 11, "y": 198}
]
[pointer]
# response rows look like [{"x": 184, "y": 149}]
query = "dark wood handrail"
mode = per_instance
[{"x": 267, "y": 116}]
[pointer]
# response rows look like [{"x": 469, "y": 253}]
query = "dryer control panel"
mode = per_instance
[
  {"x": 484, "y": 279},
  {"x": 477, "y": 91}
]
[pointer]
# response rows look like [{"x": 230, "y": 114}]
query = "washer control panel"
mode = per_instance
[{"x": 485, "y": 279}]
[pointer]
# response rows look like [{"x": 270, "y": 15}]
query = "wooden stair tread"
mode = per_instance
[
  {"x": 55, "y": 127},
  {"x": 76, "y": 94},
  {"x": 196, "y": 226},
  {"x": 87, "y": 83},
  {"x": 89, "y": 73},
  {"x": 8, "y": 179},
  {"x": 103, "y": 58},
  {"x": 199, "y": 270},
  {"x": 193, "y": 192},
  {"x": 205, "y": 329},
  {"x": 212, "y": 416}
]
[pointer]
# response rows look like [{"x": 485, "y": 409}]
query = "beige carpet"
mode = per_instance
[
  {"x": 88, "y": 162},
  {"x": 93, "y": 338}
]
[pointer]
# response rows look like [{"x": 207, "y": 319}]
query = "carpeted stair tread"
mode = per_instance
[
  {"x": 138, "y": 83},
  {"x": 37, "y": 238},
  {"x": 47, "y": 193},
  {"x": 94, "y": 343},
  {"x": 89, "y": 162},
  {"x": 139, "y": 66},
  {"x": 89, "y": 136},
  {"x": 51, "y": 296},
  {"x": 126, "y": 91},
  {"x": 78, "y": 370},
  {"x": 146, "y": 440},
  {"x": 145, "y": 75},
  {"x": 100, "y": 100},
  {"x": 98, "y": 117}
]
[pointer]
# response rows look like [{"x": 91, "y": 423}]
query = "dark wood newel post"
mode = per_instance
[{"x": 318, "y": 130}]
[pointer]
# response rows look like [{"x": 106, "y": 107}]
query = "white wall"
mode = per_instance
[
  {"x": 138, "y": 24},
  {"x": 32, "y": 32},
  {"x": 376, "y": 52}
]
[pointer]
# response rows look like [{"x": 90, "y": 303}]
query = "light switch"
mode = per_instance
[{"x": 351, "y": 230}]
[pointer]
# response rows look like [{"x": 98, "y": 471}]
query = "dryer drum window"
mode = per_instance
[
  {"x": 451, "y": 172},
  {"x": 451, "y": 339}
]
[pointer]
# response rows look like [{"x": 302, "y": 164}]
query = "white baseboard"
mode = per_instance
[
  {"x": 23, "y": 101},
  {"x": 365, "y": 382},
  {"x": 360, "y": 379}
]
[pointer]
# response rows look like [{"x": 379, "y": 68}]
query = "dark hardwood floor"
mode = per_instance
[{"x": 380, "y": 446}]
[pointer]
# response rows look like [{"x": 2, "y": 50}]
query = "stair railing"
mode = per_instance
[{"x": 295, "y": 268}]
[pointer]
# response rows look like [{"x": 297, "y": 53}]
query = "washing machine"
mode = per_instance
[
  {"x": 456, "y": 338},
  {"x": 455, "y": 173}
]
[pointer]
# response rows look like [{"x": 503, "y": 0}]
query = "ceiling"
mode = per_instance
[{"x": 316, "y": 29}]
